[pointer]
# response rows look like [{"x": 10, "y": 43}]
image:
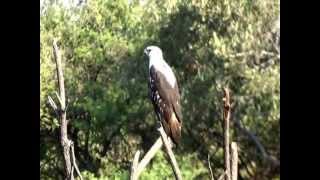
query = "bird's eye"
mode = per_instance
[{"x": 147, "y": 51}]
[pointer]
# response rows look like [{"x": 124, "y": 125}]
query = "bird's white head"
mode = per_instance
[
  {"x": 153, "y": 52},
  {"x": 155, "y": 56}
]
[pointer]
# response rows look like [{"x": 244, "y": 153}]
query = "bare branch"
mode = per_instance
[
  {"x": 71, "y": 174},
  {"x": 53, "y": 104},
  {"x": 211, "y": 173},
  {"x": 134, "y": 167},
  {"x": 58, "y": 97},
  {"x": 222, "y": 175},
  {"x": 74, "y": 163},
  {"x": 146, "y": 159},
  {"x": 173, "y": 161},
  {"x": 226, "y": 116},
  {"x": 65, "y": 142},
  {"x": 57, "y": 57},
  {"x": 234, "y": 161},
  {"x": 137, "y": 167}
]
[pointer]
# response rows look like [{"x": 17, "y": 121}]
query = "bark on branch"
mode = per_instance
[
  {"x": 209, "y": 164},
  {"x": 226, "y": 117},
  {"x": 67, "y": 145},
  {"x": 173, "y": 160},
  {"x": 230, "y": 172},
  {"x": 137, "y": 167},
  {"x": 234, "y": 161}
]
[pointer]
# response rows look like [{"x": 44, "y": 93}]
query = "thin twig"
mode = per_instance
[
  {"x": 59, "y": 99},
  {"x": 74, "y": 162},
  {"x": 53, "y": 104},
  {"x": 211, "y": 173},
  {"x": 57, "y": 57}
]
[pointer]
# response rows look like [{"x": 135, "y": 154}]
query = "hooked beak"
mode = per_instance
[{"x": 145, "y": 52}]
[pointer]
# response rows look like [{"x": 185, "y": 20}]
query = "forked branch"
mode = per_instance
[
  {"x": 137, "y": 167},
  {"x": 67, "y": 145}
]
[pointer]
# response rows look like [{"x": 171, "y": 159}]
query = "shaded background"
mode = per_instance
[{"x": 209, "y": 45}]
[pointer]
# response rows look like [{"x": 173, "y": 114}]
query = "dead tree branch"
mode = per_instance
[
  {"x": 234, "y": 161},
  {"x": 137, "y": 167},
  {"x": 53, "y": 105},
  {"x": 211, "y": 173},
  {"x": 62, "y": 114},
  {"x": 222, "y": 175},
  {"x": 226, "y": 117},
  {"x": 228, "y": 174},
  {"x": 173, "y": 160},
  {"x": 134, "y": 175},
  {"x": 74, "y": 161},
  {"x": 67, "y": 145}
]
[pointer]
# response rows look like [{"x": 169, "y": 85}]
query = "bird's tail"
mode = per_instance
[{"x": 175, "y": 128}]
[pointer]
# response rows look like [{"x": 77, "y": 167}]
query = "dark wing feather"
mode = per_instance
[
  {"x": 176, "y": 103},
  {"x": 170, "y": 102}
]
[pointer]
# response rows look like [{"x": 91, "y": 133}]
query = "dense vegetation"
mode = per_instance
[{"x": 209, "y": 44}]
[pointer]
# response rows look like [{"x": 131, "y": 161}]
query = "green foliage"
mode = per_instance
[{"x": 209, "y": 44}]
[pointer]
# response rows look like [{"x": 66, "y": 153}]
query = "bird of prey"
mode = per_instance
[{"x": 164, "y": 93}]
